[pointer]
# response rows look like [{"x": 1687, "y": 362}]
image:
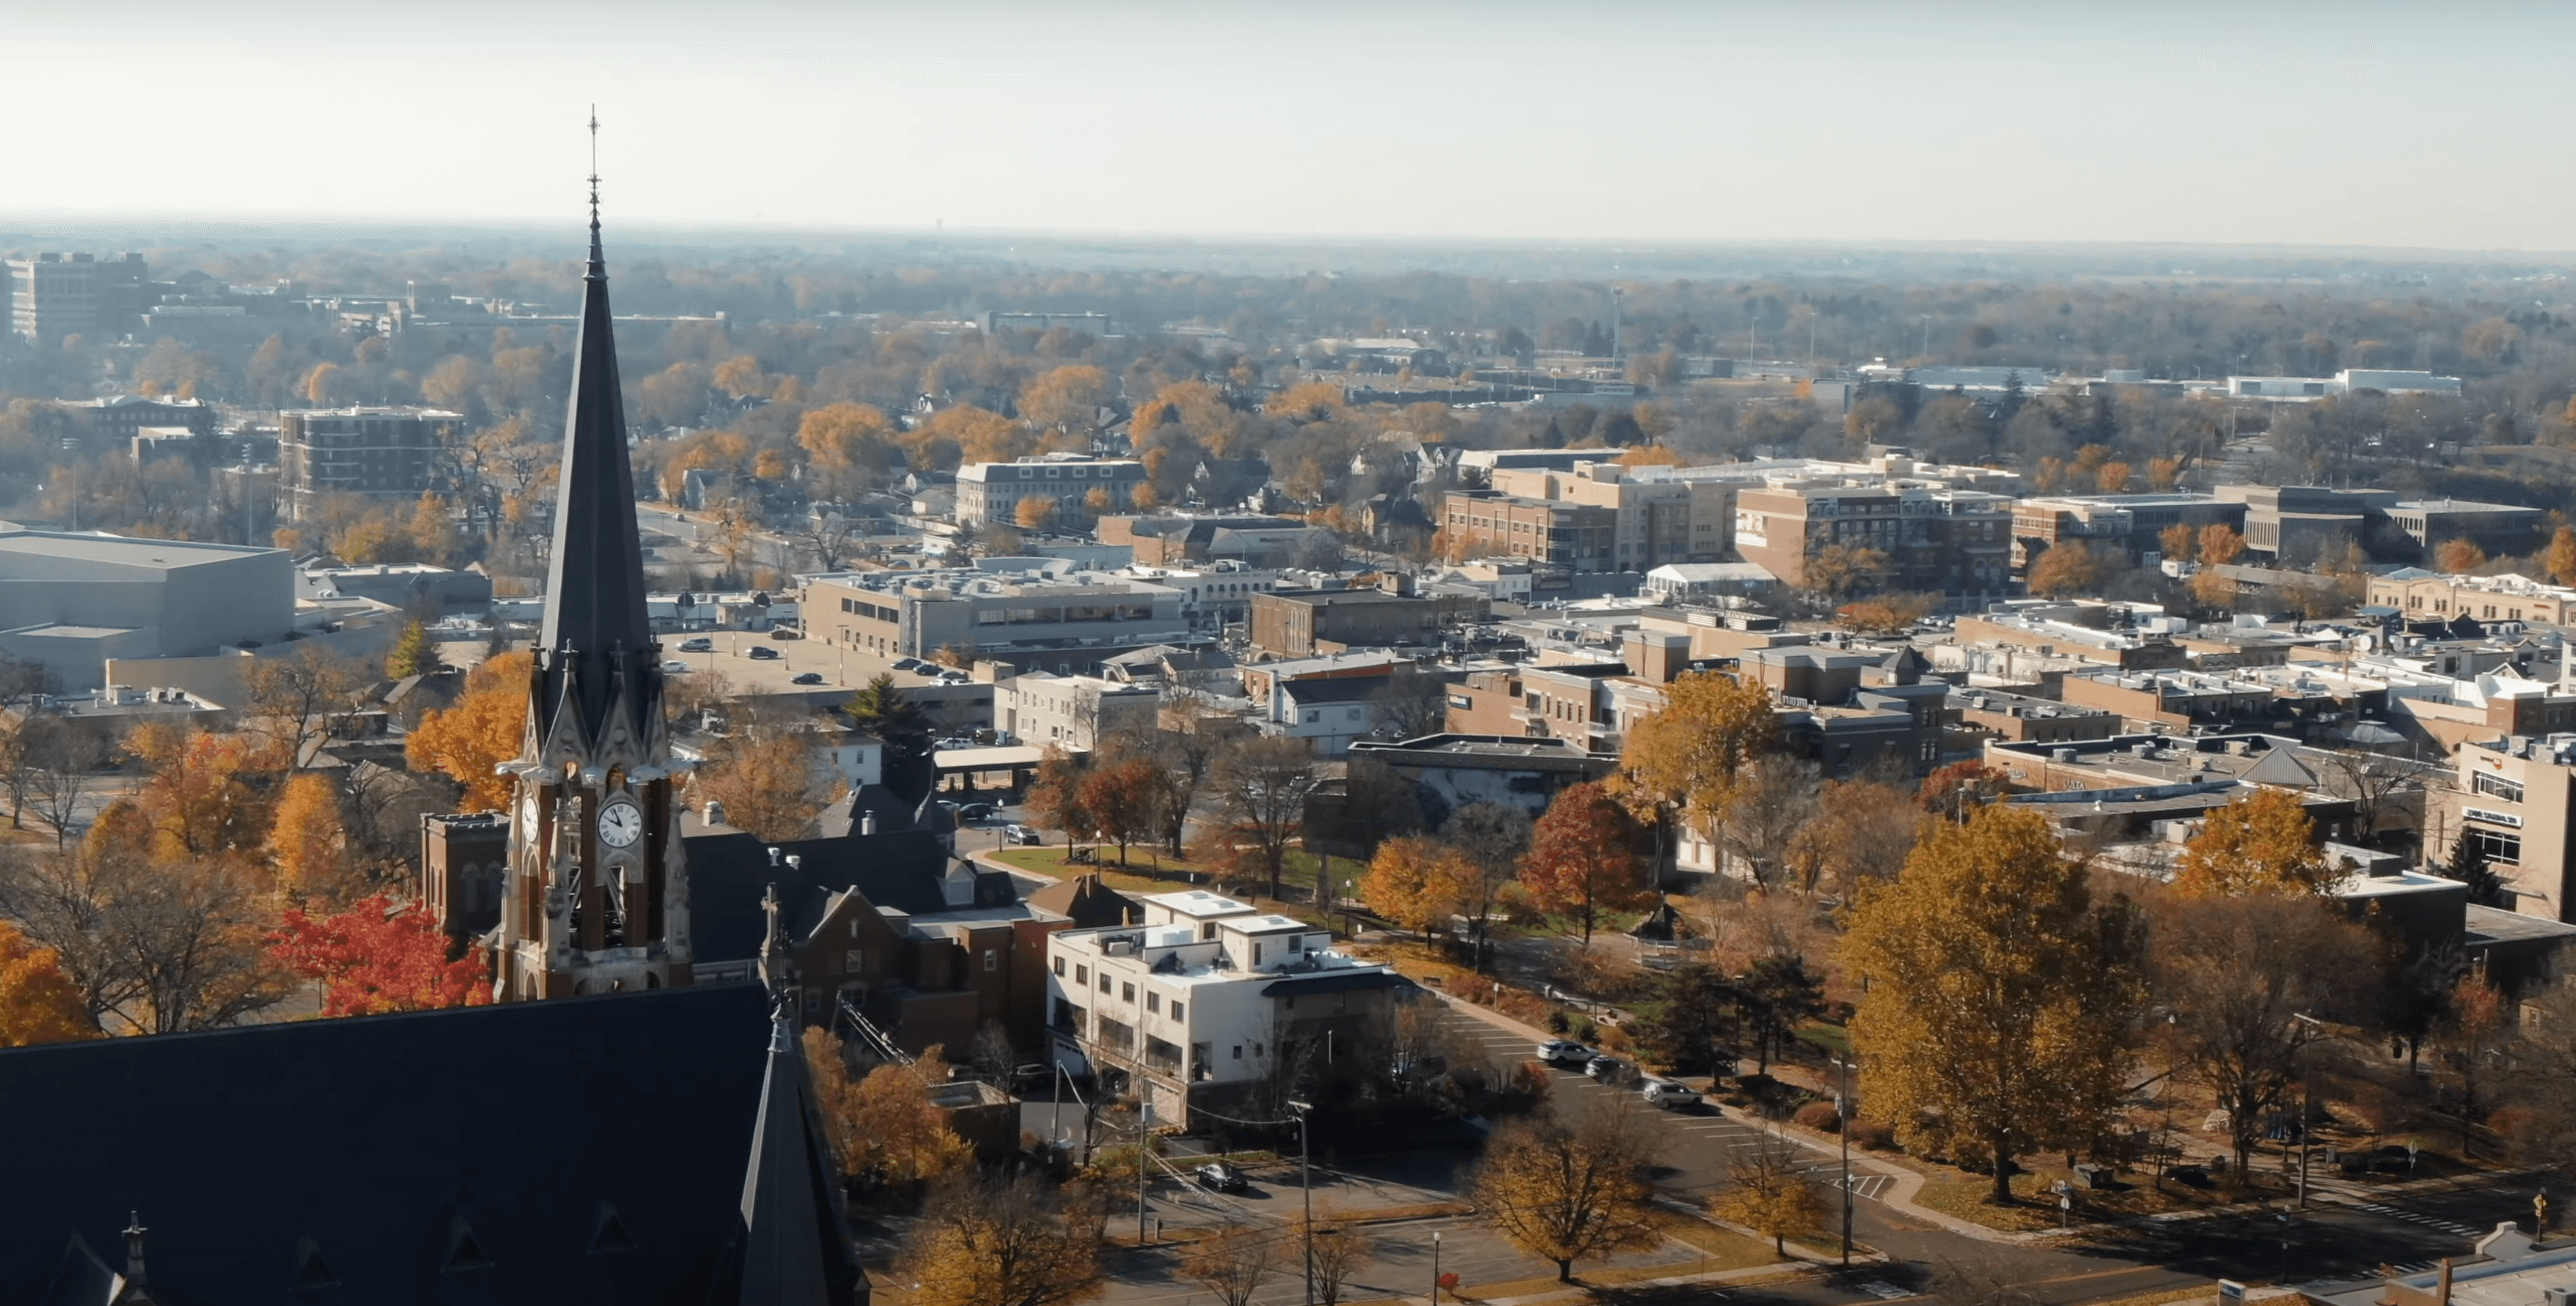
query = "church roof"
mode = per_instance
[
  {"x": 595, "y": 575},
  {"x": 584, "y": 1149}
]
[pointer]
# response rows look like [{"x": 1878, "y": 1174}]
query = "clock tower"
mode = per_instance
[{"x": 597, "y": 896}]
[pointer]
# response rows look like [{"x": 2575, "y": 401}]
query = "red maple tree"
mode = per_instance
[{"x": 375, "y": 958}]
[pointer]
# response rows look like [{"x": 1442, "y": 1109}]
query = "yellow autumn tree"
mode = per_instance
[
  {"x": 2459, "y": 557},
  {"x": 988, "y": 1241},
  {"x": 1417, "y": 883},
  {"x": 847, "y": 445},
  {"x": 38, "y": 1003},
  {"x": 1694, "y": 757},
  {"x": 480, "y": 732},
  {"x": 884, "y": 1129},
  {"x": 2000, "y": 1004},
  {"x": 2069, "y": 568},
  {"x": 1034, "y": 511},
  {"x": 2262, "y": 843},
  {"x": 1768, "y": 1191},
  {"x": 2220, "y": 544},
  {"x": 306, "y": 839},
  {"x": 1065, "y": 400},
  {"x": 1569, "y": 1192}
]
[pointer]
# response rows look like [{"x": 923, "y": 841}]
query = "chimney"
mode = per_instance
[
  {"x": 773, "y": 855},
  {"x": 795, "y": 861},
  {"x": 867, "y": 825},
  {"x": 715, "y": 812}
]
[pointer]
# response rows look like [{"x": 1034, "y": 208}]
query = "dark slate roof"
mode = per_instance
[
  {"x": 1086, "y": 901},
  {"x": 729, "y": 873},
  {"x": 1334, "y": 689},
  {"x": 595, "y": 575},
  {"x": 366, "y": 1157},
  {"x": 1333, "y": 981}
]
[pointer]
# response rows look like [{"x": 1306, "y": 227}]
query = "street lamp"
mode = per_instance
[
  {"x": 1306, "y": 1189},
  {"x": 2307, "y": 1104},
  {"x": 1842, "y": 1129},
  {"x": 1435, "y": 1267}
]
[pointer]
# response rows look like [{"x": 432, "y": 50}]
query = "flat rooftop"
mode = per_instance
[{"x": 122, "y": 551}]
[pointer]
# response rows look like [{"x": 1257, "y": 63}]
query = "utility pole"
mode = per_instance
[
  {"x": 1144, "y": 1121},
  {"x": 1842, "y": 1129},
  {"x": 1306, "y": 1189}
]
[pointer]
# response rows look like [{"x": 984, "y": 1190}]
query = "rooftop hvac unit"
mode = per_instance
[{"x": 2061, "y": 754}]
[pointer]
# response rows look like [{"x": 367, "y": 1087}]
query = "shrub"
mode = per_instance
[
  {"x": 1873, "y": 1135},
  {"x": 1819, "y": 1115},
  {"x": 1585, "y": 1031},
  {"x": 1557, "y": 1023}
]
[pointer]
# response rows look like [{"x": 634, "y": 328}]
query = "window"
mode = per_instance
[
  {"x": 1104, "y": 981},
  {"x": 1256, "y": 954},
  {"x": 852, "y": 962},
  {"x": 1179, "y": 1009},
  {"x": 1126, "y": 993},
  {"x": 992, "y": 959},
  {"x": 1059, "y": 968},
  {"x": 1082, "y": 974},
  {"x": 2496, "y": 844},
  {"x": 1238, "y": 1052},
  {"x": 1153, "y": 1001},
  {"x": 2496, "y": 786}
]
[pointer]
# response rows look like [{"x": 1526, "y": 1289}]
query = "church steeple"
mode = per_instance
[
  {"x": 598, "y": 898},
  {"x": 595, "y": 632}
]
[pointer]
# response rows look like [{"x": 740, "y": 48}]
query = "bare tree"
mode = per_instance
[
  {"x": 1337, "y": 1252},
  {"x": 300, "y": 697},
  {"x": 1232, "y": 1263},
  {"x": 828, "y": 535},
  {"x": 2379, "y": 786},
  {"x": 1263, "y": 784},
  {"x": 63, "y": 762},
  {"x": 1774, "y": 801},
  {"x": 154, "y": 947},
  {"x": 1493, "y": 836},
  {"x": 1410, "y": 705}
]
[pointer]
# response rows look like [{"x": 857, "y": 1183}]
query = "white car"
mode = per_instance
[
  {"x": 1564, "y": 1052},
  {"x": 1668, "y": 1095},
  {"x": 674, "y": 667}
]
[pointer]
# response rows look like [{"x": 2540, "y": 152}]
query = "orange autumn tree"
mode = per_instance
[
  {"x": 201, "y": 798},
  {"x": 2263, "y": 843},
  {"x": 374, "y": 958},
  {"x": 306, "y": 838},
  {"x": 1582, "y": 860},
  {"x": 38, "y": 1003},
  {"x": 482, "y": 731}
]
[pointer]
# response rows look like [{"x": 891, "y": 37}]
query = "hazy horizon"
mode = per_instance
[{"x": 2302, "y": 127}]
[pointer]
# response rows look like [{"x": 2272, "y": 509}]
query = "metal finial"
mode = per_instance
[{"x": 594, "y": 170}]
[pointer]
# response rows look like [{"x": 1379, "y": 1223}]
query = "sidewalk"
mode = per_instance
[{"x": 2322, "y": 1190}]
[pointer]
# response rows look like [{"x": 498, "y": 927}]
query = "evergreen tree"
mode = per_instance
[
  {"x": 883, "y": 710},
  {"x": 411, "y": 655},
  {"x": 2468, "y": 864}
]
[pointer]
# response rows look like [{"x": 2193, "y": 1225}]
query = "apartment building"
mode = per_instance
[
  {"x": 1077, "y": 486},
  {"x": 1215, "y": 595},
  {"x": 55, "y": 295},
  {"x": 373, "y": 453},
  {"x": 1952, "y": 541},
  {"x": 1206, "y": 1000},
  {"x": 1657, "y": 518},
  {"x": 1490, "y": 523}
]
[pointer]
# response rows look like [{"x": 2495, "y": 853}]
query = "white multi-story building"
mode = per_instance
[
  {"x": 1079, "y": 487},
  {"x": 1207, "y": 1002},
  {"x": 1072, "y": 712}
]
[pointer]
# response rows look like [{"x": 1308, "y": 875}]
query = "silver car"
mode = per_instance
[{"x": 1668, "y": 1095}]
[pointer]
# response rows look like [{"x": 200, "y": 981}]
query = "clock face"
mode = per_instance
[{"x": 620, "y": 824}]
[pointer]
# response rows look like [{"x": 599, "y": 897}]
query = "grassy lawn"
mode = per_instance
[{"x": 1957, "y": 1193}]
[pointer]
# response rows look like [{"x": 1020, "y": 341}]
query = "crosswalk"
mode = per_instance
[{"x": 2417, "y": 1217}]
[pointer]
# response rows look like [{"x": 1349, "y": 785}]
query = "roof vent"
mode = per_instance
[
  {"x": 715, "y": 812},
  {"x": 773, "y": 855}
]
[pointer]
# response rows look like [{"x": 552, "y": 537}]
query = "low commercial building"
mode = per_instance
[
  {"x": 1043, "y": 618},
  {"x": 2133, "y": 524},
  {"x": 1208, "y": 1001},
  {"x": 1302, "y": 623},
  {"x": 2493, "y": 527},
  {"x": 2020, "y": 718},
  {"x": 2419, "y": 594},
  {"x": 1490, "y": 523},
  {"x": 71, "y": 602}
]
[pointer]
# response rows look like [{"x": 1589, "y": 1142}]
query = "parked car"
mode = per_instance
[
  {"x": 1563, "y": 1052},
  {"x": 785, "y": 632},
  {"x": 1223, "y": 1177},
  {"x": 807, "y": 678},
  {"x": 673, "y": 668},
  {"x": 1021, "y": 834},
  {"x": 701, "y": 644},
  {"x": 908, "y": 664},
  {"x": 1669, "y": 1095},
  {"x": 763, "y": 653},
  {"x": 955, "y": 678},
  {"x": 976, "y": 812},
  {"x": 1609, "y": 1070}
]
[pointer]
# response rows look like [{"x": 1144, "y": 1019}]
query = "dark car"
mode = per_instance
[
  {"x": 1609, "y": 1070},
  {"x": 785, "y": 632},
  {"x": 807, "y": 678},
  {"x": 976, "y": 812},
  {"x": 763, "y": 653},
  {"x": 1223, "y": 1177},
  {"x": 699, "y": 645}
]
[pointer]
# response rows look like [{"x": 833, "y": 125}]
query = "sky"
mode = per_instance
[{"x": 1590, "y": 121}]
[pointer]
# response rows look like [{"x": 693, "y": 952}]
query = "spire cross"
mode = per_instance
[{"x": 594, "y": 171}]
